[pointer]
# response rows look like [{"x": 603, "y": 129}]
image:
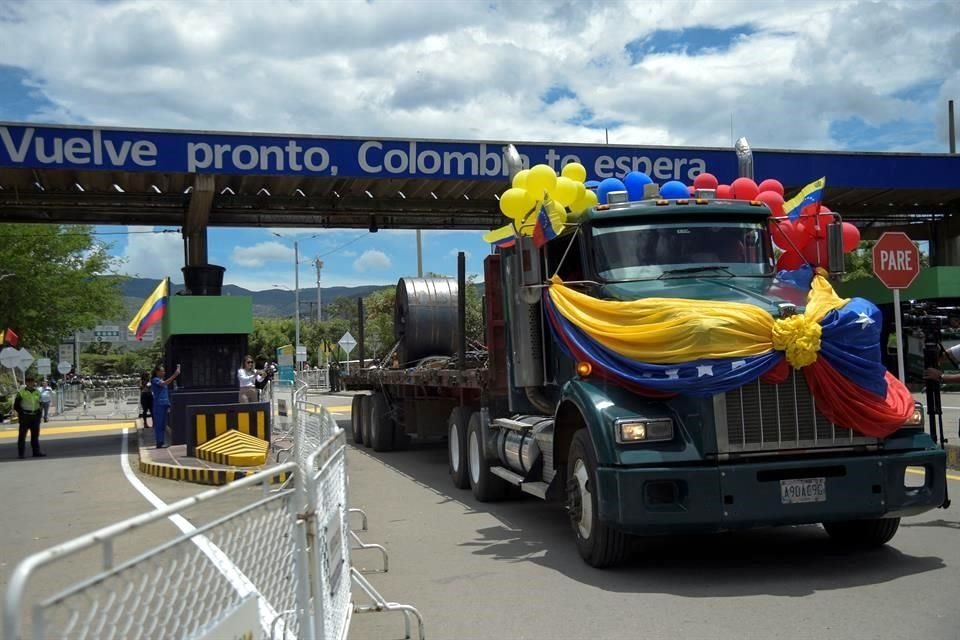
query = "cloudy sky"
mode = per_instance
[{"x": 788, "y": 74}]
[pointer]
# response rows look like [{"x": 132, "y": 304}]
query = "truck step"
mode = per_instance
[
  {"x": 513, "y": 478},
  {"x": 513, "y": 425},
  {"x": 538, "y": 489}
]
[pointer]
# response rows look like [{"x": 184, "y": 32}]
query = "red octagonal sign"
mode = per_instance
[{"x": 896, "y": 260}]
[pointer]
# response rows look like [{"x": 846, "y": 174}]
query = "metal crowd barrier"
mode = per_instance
[
  {"x": 278, "y": 567},
  {"x": 316, "y": 379}
]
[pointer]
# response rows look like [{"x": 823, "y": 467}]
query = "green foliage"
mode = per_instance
[
  {"x": 105, "y": 359},
  {"x": 64, "y": 281},
  {"x": 859, "y": 263}
]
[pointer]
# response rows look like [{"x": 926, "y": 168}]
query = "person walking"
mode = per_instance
[
  {"x": 248, "y": 378},
  {"x": 146, "y": 398},
  {"x": 161, "y": 402},
  {"x": 27, "y": 406},
  {"x": 46, "y": 395}
]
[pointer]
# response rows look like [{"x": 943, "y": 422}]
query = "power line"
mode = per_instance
[{"x": 343, "y": 246}]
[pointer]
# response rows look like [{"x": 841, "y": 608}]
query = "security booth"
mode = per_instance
[{"x": 206, "y": 334}]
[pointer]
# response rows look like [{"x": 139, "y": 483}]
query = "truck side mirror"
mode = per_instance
[{"x": 835, "y": 262}]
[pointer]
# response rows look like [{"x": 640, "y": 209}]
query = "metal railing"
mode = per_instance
[{"x": 277, "y": 567}]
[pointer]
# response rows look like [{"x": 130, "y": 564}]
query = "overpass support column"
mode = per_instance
[
  {"x": 195, "y": 221},
  {"x": 946, "y": 241}
]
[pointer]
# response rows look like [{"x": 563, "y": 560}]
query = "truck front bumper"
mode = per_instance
[{"x": 660, "y": 500}]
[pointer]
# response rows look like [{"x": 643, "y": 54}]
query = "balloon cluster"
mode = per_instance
[{"x": 540, "y": 185}]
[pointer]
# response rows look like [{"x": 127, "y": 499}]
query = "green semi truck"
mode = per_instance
[{"x": 526, "y": 413}]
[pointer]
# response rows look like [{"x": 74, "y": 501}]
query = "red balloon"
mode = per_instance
[
  {"x": 724, "y": 192},
  {"x": 771, "y": 185},
  {"x": 788, "y": 236},
  {"x": 706, "y": 181},
  {"x": 744, "y": 189},
  {"x": 789, "y": 261},
  {"x": 808, "y": 223},
  {"x": 851, "y": 237},
  {"x": 816, "y": 252},
  {"x": 773, "y": 200}
]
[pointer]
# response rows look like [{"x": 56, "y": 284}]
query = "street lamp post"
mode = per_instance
[{"x": 296, "y": 293}]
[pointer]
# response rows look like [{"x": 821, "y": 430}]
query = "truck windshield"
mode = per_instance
[{"x": 640, "y": 251}]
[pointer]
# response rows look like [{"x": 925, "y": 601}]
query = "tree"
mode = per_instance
[{"x": 859, "y": 263}]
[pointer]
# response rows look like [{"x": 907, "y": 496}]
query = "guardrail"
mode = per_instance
[{"x": 277, "y": 567}]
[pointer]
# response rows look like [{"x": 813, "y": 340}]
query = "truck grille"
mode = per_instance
[{"x": 762, "y": 416}]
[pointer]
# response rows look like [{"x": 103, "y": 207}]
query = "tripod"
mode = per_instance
[{"x": 932, "y": 348}]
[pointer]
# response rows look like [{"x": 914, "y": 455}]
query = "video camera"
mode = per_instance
[{"x": 929, "y": 317}]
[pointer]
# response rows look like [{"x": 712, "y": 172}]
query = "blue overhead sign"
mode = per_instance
[{"x": 84, "y": 148}]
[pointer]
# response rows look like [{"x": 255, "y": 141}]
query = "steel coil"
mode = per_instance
[{"x": 425, "y": 318}]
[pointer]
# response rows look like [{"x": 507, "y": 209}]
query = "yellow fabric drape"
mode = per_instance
[{"x": 677, "y": 330}]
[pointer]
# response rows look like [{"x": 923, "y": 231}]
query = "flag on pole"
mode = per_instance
[
  {"x": 9, "y": 338},
  {"x": 505, "y": 236},
  {"x": 810, "y": 194},
  {"x": 152, "y": 310},
  {"x": 547, "y": 227}
]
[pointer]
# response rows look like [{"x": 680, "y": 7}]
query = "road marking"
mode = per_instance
[
  {"x": 952, "y": 476},
  {"x": 59, "y": 431},
  {"x": 220, "y": 560}
]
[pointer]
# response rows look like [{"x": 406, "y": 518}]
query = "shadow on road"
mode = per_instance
[
  {"x": 60, "y": 448},
  {"x": 783, "y": 561}
]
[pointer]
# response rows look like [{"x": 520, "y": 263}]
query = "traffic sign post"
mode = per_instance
[
  {"x": 896, "y": 263},
  {"x": 43, "y": 366},
  {"x": 347, "y": 343},
  {"x": 106, "y": 333}
]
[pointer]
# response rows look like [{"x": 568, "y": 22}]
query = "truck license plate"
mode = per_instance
[{"x": 803, "y": 490}]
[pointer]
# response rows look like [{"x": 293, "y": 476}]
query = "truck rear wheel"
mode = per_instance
[
  {"x": 486, "y": 486},
  {"x": 863, "y": 534},
  {"x": 457, "y": 447},
  {"x": 381, "y": 424},
  {"x": 355, "y": 412},
  {"x": 599, "y": 544},
  {"x": 365, "y": 406}
]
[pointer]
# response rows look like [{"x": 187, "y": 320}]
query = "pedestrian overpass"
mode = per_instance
[{"x": 195, "y": 179}]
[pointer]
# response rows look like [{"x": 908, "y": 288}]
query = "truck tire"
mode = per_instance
[
  {"x": 486, "y": 486},
  {"x": 355, "y": 425},
  {"x": 381, "y": 424},
  {"x": 365, "y": 406},
  {"x": 599, "y": 544},
  {"x": 457, "y": 447},
  {"x": 863, "y": 534}
]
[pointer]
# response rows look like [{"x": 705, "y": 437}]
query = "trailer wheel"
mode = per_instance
[
  {"x": 355, "y": 424},
  {"x": 381, "y": 424},
  {"x": 863, "y": 534},
  {"x": 599, "y": 544},
  {"x": 457, "y": 447},
  {"x": 365, "y": 406},
  {"x": 486, "y": 486}
]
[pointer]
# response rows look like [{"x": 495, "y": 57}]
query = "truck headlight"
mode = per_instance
[
  {"x": 915, "y": 420},
  {"x": 631, "y": 430}
]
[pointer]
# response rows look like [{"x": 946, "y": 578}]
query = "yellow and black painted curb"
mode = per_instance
[
  {"x": 236, "y": 449},
  {"x": 201, "y": 476},
  {"x": 205, "y": 423}
]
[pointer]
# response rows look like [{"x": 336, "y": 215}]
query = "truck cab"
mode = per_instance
[{"x": 628, "y": 463}]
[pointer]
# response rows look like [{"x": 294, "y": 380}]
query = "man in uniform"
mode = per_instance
[{"x": 27, "y": 406}]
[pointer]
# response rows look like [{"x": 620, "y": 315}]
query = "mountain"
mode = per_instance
[{"x": 271, "y": 303}]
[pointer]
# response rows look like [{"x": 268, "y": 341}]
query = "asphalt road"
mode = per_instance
[{"x": 510, "y": 570}]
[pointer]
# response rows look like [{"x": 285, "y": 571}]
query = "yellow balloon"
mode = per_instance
[
  {"x": 520, "y": 180},
  {"x": 575, "y": 171},
  {"x": 566, "y": 191},
  {"x": 589, "y": 200},
  {"x": 541, "y": 179},
  {"x": 514, "y": 203}
]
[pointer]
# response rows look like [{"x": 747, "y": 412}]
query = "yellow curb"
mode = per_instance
[{"x": 59, "y": 431}]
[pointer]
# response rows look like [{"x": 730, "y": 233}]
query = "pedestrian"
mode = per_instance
[
  {"x": 146, "y": 398},
  {"x": 27, "y": 406},
  {"x": 46, "y": 395},
  {"x": 161, "y": 402},
  {"x": 248, "y": 377}
]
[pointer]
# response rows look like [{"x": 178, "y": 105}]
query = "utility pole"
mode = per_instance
[
  {"x": 296, "y": 294},
  {"x": 319, "y": 264},
  {"x": 419, "y": 255}
]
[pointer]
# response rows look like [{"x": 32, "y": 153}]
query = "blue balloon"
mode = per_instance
[
  {"x": 636, "y": 181},
  {"x": 608, "y": 185},
  {"x": 674, "y": 190}
]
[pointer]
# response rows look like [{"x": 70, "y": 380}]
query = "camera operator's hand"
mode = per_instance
[{"x": 933, "y": 374}]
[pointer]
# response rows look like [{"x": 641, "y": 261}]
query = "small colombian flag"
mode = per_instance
[{"x": 152, "y": 310}]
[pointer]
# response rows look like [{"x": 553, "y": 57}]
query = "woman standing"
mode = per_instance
[
  {"x": 161, "y": 402},
  {"x": 146, "y": 398},
  {"x": 248, "y": 377}
]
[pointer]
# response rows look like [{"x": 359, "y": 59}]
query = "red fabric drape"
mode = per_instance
[{"x": 847, "y": 404}]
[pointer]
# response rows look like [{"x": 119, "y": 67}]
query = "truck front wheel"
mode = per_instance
[
  {"x": 486, "y": 486},
  {"x": 599, "y": 544},
  {"x": 457, "y": 446},
  {"x": 864, "y": 534}
]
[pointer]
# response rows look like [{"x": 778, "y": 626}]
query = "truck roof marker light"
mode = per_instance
[
  {"x": 603, "y": 207},
  {"x": 702, "y": 201},
  {"x": 755, "y": 203},
  {"x": 662, "y": 203},
  {"x": 683, "y": 201},
  {"x": 584, "y": 369}
]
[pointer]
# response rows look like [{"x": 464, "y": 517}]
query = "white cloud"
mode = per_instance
[
  {"x": 262, "y": 253},
  {"x": 477, "y": 69},
  {"x": 153, "y": 255},
  {"x": 372, "y": 260}
]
